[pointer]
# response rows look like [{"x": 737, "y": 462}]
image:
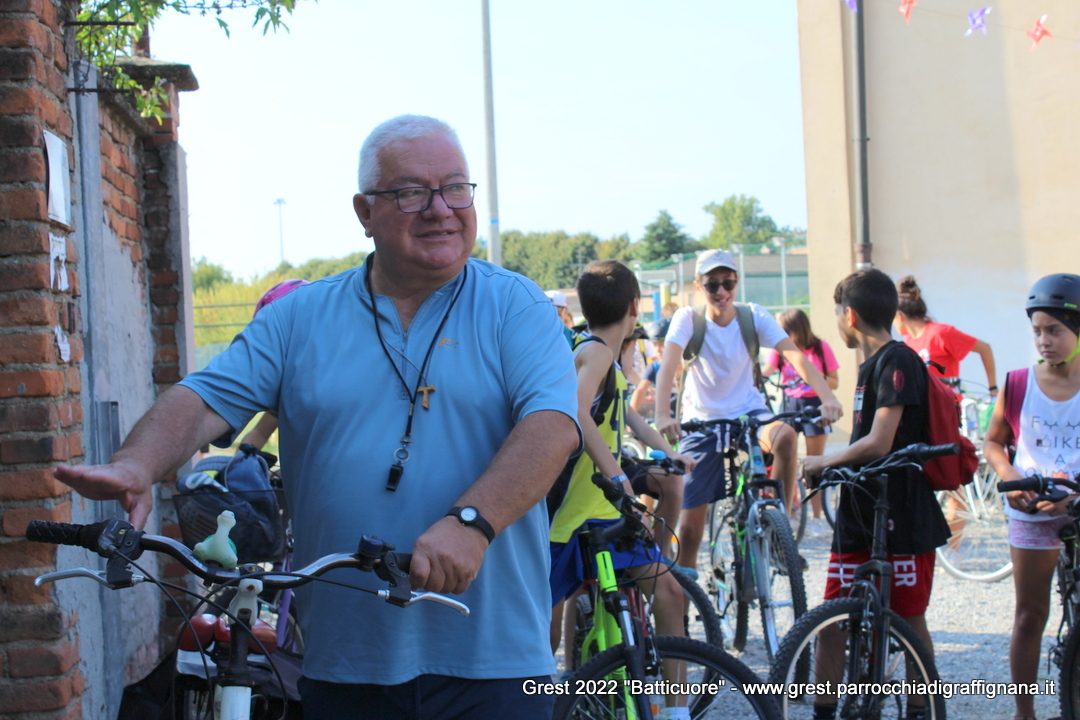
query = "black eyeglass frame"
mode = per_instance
[
  {"x": 431, "y": 195},
  {"x": 728, "y": 284}
]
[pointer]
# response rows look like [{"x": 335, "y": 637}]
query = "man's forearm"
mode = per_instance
[
  {"x": 523, "y": 470},
  {"x": 170, "y": 432}
]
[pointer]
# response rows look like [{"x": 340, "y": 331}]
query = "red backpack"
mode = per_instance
[{"x": 943, "y": 428}]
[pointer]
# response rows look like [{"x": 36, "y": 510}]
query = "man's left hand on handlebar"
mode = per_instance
[
  {"x": 688, "y": 462},
  {"x": 831, "y": 411}
]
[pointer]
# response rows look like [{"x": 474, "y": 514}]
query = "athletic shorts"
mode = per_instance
[
  {"x": 639, "y": 478},
  {"x": 1040, "y": 535},
  {"x": 808, "y": 405},
  {"x": 708, "y": 481},
  {"x": 913, "y": 578},
  {"x": 568, "y": 569}
]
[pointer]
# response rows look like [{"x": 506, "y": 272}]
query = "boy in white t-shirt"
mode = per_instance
[{"x": 720, "y": 384}]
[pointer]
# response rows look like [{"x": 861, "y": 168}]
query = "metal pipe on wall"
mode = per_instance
[
  {"x": 863, "y": 247},
  {"x": 494, "y": 242}
]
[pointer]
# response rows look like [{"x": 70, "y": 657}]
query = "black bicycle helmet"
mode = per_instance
[
  {"x": 658, "y": 330},
  {"x": 1060, "y": 291}
]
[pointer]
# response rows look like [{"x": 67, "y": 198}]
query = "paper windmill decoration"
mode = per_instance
[
  {"x": 905, "y": 9},
  {"x": 1038, "y": 33},
  {"x": 977, "y": 20}
]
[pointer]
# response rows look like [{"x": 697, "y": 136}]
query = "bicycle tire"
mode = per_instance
[
  {"x": 721, "y": 572},
  {"x": 705, "y": 664},
  {"x": 1069, "y": 680},
  {"x": 701, "y": 620},
  {"x": 799, "y": 512},
  {"x": 784, "y": 565},
  {"x": 742, "y": 604},
  {"x": 830, "y": 499},
  {"x": 583, "y": 623},
  {"x": 979, "y": 547},
  {"x": 798, "y": 662}
]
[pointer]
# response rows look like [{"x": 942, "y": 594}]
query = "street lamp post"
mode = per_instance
[{"x": 281, "y": 228}]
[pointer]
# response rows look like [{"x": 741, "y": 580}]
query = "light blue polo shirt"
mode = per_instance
[{"x": 314, "y": 358}]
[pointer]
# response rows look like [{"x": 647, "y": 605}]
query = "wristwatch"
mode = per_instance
[{"x": 468, "y": 515}]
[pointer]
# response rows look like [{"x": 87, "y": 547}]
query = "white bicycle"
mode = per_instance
[{"x": 243, "y": 634}]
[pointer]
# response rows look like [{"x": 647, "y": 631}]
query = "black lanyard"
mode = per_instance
[{"x": 401, "y": 455}]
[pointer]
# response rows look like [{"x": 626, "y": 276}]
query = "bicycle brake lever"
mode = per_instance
[
  {"x": 419, "y": 595},
  {"x": 98, "y": 575}
]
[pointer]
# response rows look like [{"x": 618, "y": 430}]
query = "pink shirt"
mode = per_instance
[{"x": 789, "y": 375}]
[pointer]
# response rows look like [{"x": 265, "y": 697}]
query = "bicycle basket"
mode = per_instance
[{"x": 261, "y": 520}]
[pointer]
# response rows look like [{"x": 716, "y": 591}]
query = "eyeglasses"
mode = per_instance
[
  {"x": 712, "y": 287},
  {"x": 457, "y": 196}
]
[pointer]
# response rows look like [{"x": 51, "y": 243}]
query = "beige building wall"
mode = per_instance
[{"x": 974, "y": 160}]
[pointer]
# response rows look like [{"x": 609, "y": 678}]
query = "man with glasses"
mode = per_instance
[
  {"x": 424, "y": 397},
  {"x": 720, "y": 384}
]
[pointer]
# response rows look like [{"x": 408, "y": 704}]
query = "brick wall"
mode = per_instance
[
  {"x": 40, "y": 406},
  {"x": 41, "y": 395}
]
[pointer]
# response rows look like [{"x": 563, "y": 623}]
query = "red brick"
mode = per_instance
[
  {"x": 28, "y": 311},
  {"x": 15, "y": 520},
  {"x": 158, "y": 295},
  {"x": 75, "y": 448},
  {"x": 165, "y": 278},
  {"x": 24, "y": 276},
  {"x": 19, "y": 133},
  {"x": 24, "y": 239},
  {"x": 26, "y": 554},
  {"x": 46, "y": 623},
  {"x": 34, "y": 450},
  {"x": 31, "y": 383},
  {"x": 72, "y": 252},
  {"x": 73, "y": 282},
  {"x": 167, "y": 354},
  {"x": 29, "y": 417},
  {"x": 165, "y": 336},
  {"x": 35, "y": 348},
  {"x": 173, "y": 569},
  {"x": 167, "y": 374},
  {"x": 69, "y": 413},
  {"x": 22, "y": 167},
  {"x": 31, "y": 485},
  {"x": 74, "y": 380},
  {"x": 23, "y": 32},
  {"x": 162, "y": 315},
  {"x": 20, "y": 65},
  {"x": 20, "y": 590},
  {"x": 43, "y": 661},
  {"x": 39, "y": 696},
  {"x": 23, "y": 204}
]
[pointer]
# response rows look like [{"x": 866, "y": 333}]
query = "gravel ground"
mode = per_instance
[{"x": 970, "y": 624}]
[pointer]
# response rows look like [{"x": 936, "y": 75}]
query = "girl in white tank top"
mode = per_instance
[{"x": 1048, "y": 444}]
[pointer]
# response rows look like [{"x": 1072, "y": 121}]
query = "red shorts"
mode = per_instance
[{"x": 913, "y": 578}]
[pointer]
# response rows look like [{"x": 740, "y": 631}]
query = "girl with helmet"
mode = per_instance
[
  {"x": 938, "y": 343},
  {"x": 267, "y": 425},
  {"x": 1042, "y": 431}
]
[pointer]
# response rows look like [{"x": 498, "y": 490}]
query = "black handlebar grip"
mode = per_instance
[
  {"x": 611, "y": 491},
  {"x": 936, "y": 451},
  {"x": 1033, "y": 484},
  {"x": 58, "y": 533}
]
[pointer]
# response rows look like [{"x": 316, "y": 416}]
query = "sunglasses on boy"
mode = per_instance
[{"x": 712, "y": 287}]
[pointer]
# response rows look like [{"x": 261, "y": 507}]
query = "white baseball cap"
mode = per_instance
[
  {"x": 558, "y": 297},
  {"x": 708, "y": 260}
]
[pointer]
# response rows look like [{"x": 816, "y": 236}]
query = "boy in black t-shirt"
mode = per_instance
[{"x": 890, "y": 412}]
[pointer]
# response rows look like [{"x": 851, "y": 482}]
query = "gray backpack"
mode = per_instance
[{"x": 744, "y": 315}]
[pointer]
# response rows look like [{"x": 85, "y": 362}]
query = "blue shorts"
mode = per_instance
[
  {"x": 708, "y": 481},
  {"x": 568, "y": 569}
]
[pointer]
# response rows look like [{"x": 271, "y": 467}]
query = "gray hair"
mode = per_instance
[{"x": 403, "y": 127}]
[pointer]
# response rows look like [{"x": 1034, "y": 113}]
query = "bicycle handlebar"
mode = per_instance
[
  {"x": 915, "y": 454},
  {"x": 119, "y": 542},
  {"x": 629, "y": 527},
  {"x": 658, "y": 458},
  {"x": 748, "y": 421},
  {"x": 1045, "y": 488}
]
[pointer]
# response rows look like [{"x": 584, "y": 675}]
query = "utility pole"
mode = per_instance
[
  {"x": 494, "y": 243},
  {"x": 281, "y": 228}
]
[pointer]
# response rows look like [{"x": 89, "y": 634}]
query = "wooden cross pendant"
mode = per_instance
[{"x": 425, "y": 390}]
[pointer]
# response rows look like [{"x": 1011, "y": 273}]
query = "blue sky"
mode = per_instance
[{"x": 605, "y": 112}]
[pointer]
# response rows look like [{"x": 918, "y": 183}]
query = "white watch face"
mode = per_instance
[{"x": 468, "y": 514}]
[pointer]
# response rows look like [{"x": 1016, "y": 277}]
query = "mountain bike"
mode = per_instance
[
  {"x": 231, "y": 694},
  {"x": 1066, "y": 651},
  {"x": 627, "y": 671},
  {"x": 855, "y": 652},
  {"x": 753, "y": 556}
]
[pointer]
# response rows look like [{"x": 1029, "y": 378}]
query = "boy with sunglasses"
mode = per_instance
[{"x": 720, "y": 384}]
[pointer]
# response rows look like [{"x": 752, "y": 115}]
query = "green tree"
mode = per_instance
[
  {"x": 617, "y": 247},
  {"x": 205, "y": 275},
  {"x": 739, "y": 219},
  {"x": 551, "y": 259},
  {"x": 663, "y": 238}
]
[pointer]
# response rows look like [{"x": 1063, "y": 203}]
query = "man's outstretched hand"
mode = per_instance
[{"x": 115, "y": 481}]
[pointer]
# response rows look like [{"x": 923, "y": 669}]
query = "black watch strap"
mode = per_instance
[{"x": 475, "y": 519}]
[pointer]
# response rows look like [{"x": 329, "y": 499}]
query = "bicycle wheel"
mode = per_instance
[
  {"x": 701, "y": 620},
  {"x": 799, "y": 512},
  {"x": 979, "y": 547},
  {"x": 583, "y": 623},
  {"x": 721, "y": 571},
  {"x": 1069, "y": 687},
  {"x": 830, "y": 499},
  {"x": 782, "y": 598},
  {"x": 588, "y": 695},
  {"x": 804, "y": 661}
]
